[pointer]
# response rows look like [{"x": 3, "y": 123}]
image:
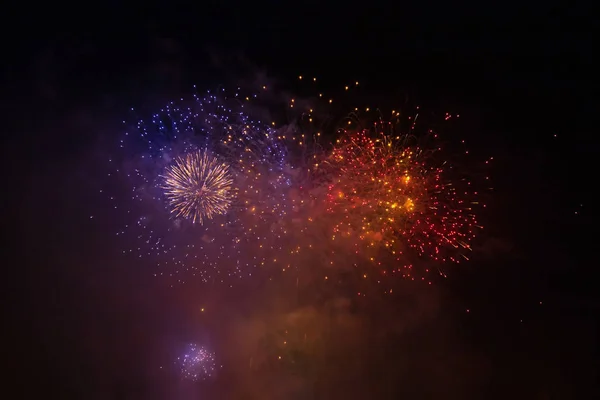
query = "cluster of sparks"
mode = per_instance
[
  {"x": 207, "y": 161},
  {"x": 198, "y": 186},
  {"x": 242, "y": 196},
  {"x": 198, "y": 363},
  {"x": 389, "y": 196}
]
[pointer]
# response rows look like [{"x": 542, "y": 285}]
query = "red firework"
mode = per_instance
[{"x": 391, "y": 194}]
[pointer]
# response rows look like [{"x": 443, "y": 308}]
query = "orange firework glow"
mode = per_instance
[{"x": 391, "y": 194}]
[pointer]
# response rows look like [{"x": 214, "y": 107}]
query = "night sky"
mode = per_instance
[{"x": 518, "y": 321}]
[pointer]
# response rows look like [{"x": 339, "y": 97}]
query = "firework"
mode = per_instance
[
  {"x": 198, "y": 363},
  {"x": 392, "y": 196},
  {"x": 250, "y": 198},
  {"x": 198, "y": 186},
  {"x": 209, "y": 162}
]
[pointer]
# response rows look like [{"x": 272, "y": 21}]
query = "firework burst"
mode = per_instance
[
  {"x": 390, "y": 195},
  {"x": 198, "y": 363},
  {"x": 227, "y": 179},
  {"x": 197, "y": 186},
  {"x": 211, "y": 163}
]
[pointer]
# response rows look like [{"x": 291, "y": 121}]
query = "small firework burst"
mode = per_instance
[
  {"x": 198, "y": 186},
  {"x": 197, "y": 363}
]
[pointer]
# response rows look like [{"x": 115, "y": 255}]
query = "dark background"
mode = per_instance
[{"x": 520, "y": 75}]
